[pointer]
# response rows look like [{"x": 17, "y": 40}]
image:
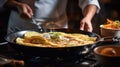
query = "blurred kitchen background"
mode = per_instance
[{"x": 109, "y": 9}]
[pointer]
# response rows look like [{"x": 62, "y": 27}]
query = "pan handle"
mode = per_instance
[{"x": 109, "y": 39}]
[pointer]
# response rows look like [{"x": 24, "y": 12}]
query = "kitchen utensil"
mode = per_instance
[{"x": 58, "y": 53}]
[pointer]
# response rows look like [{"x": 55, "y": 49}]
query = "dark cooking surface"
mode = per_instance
[{"x": 88, "y": 61}]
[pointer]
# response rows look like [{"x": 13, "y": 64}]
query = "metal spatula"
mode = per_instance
[{"x": 39, "y": 23}]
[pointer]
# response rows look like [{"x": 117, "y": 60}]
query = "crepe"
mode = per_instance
[{"x": 55, "y": 39}]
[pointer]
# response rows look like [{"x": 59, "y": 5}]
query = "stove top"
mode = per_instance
[{"x": 87, "y": 61}]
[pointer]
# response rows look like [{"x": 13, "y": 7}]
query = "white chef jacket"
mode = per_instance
[{"x": 43, "y": 10}]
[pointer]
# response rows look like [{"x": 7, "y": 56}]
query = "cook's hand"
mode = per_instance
[
  {"x": 25, "y": 11},
  {"x": 86, "y": 25}
]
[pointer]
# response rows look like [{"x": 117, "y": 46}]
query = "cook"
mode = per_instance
[{"x": 24, "y": 10}]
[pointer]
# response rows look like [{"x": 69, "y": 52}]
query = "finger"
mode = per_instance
[
  {"x": 30, "y": 11},
  {"x": 88, "y": 28},
  {"x": 82, "y": 26},
  {"x": 27, "y": 11}
]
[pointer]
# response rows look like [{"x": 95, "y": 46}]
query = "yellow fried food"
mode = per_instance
[
  {"x": 32, "y": 33},
  {"x": 55, "y": 39}
]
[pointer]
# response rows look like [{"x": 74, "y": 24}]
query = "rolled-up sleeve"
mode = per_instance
[{"x": 84, "y": 3}]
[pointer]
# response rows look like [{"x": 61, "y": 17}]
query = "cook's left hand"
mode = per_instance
[{"x": 86, "y": 25}]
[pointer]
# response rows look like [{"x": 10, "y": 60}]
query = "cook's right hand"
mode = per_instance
[{"x": 25, "y": 11}]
